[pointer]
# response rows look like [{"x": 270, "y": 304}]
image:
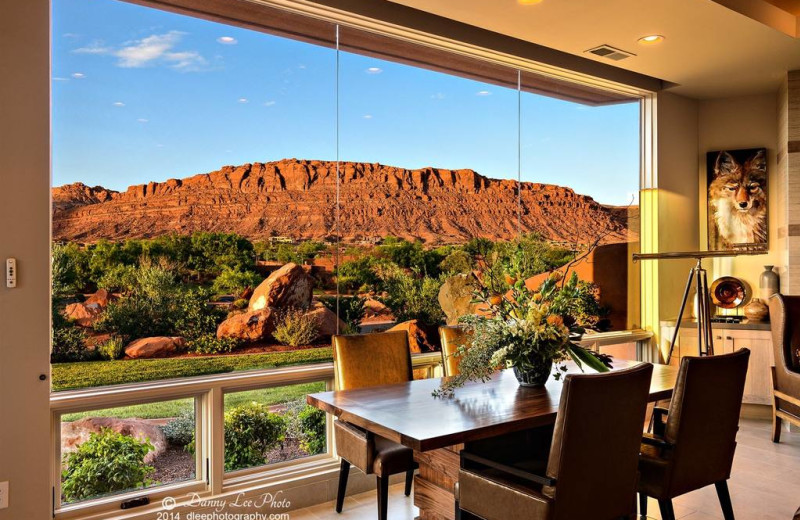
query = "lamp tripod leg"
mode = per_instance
[{"x": 680, "y": 314}]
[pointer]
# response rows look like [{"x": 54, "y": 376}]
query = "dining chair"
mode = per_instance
[
  {"x": 363, "y": 361},
  {"x": 452, "y": 338},
  {"x": 591, "y": 468},
  {"x": 693, "y": 442},
  {"x": 784, "y": 312}
]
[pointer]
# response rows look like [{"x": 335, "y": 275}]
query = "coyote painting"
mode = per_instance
[{"x": 737, "y": 199}]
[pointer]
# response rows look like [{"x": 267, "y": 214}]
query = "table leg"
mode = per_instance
[{"x": 434, "y": 485}]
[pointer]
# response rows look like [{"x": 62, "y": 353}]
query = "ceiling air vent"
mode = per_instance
[{"x": 610, "y": 53}]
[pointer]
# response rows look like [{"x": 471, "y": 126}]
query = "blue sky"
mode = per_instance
[{"x": 143, "y": 95}]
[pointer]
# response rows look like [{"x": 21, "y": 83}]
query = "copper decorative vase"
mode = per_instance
[{"x": 756, "y": 310}]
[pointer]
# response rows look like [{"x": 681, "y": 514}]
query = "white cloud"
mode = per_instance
[
  {"x": 142, "y": 120},
  {"x": 78, "y": 75},
  {"x": 302, "y": 66},
  {"x": 242, "y": 100},
  {"x": 374, "y": 70},
  {"x": 438, "y": 95},
  {"x": 367, "y": 116},
  {"x": 270, "y": 103},
  {"x": 151, "y": 50},
  {"x": 227, "y": 40},
  {"x": 70, "y": 35},
  {"x": 483, "y": 93},
  {"x": 119, "y": 104},
  {"x": 57, "y": 78}
]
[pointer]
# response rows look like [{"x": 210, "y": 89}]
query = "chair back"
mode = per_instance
[
  {"x": 703, "y": 419},
  {"x": 595, "y": 451},
  {"x": 362, "y": 360},
  {"x": 452, "y": 337},
  {"x": 784, "y": 313}
]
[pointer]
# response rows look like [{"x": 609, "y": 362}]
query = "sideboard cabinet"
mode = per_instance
[{"x": 727, "y": 338}]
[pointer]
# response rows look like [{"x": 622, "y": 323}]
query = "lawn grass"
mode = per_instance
[
  {"x": 69, "y": 376},
  {"x": 163, "y": 409}
]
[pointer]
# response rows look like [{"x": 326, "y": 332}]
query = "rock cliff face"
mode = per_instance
[{"x": 296, "y": 198}]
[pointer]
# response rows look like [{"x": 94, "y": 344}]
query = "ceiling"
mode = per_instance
[{"x": 709, "y": 51}]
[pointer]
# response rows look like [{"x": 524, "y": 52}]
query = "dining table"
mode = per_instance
[{"x": 437, "y": 428}]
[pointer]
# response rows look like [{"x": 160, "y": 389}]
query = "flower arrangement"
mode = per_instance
[{"x": 526, "y": 330}]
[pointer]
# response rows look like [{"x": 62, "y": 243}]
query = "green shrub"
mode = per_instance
[
  {"x": 118, "y": 278},
  {"x": 180, "y": 431},
  {"x": 296, "y": 327},
  {"x": 251, "y": 431},
  {"x": 457, "y": 262},
  {"x": 312, "y": 430},
  {"x": 211, "y": 344},
  {"x": 69, "y": 344},
  {"x": 112, "y": 349},
  {"x": 234, "y": 281},
  {"x": 212, "y": 253},
  {"x": 360, "y": 274},
  {"x": 240, "y": 304},
  {"x": 106, "y": 463},
  {"x": 351, "y": 311},
  {"x": 70, "y": 269},
  {"x": 414, "y": 297}
]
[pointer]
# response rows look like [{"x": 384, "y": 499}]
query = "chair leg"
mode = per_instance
[
  {"x": 409, "y": 481},
  {"x": 667, "y": 513},
  {"x": 344, "y": 472},
  {"x": 725, "y": 499},
  {"x": 642, "y": 504},
  {"x": 383, "y": 498},
  {"x": 776, "y": 427}
]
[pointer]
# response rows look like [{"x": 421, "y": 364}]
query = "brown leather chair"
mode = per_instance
[
  {"x": 784, "y": 314},
  {"x": 452, "y": 337},
  {"x": 362, "y": 361},
  {"x": 591, "y": 469},
  {"x": 694, "y": 448}
]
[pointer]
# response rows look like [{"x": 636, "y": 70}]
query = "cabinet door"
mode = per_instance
[{"x": 758, "y": 385}]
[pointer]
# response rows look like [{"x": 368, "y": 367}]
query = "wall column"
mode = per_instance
[{"x": 789, "y": 182}]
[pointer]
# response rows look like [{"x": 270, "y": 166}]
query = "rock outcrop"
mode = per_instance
[
  {"x": 456, "y": 296},
  {"x": 155, "y": 347},
  {"x": 249, "y": 326},
  {"x": 421, "y": 338},
  {"x": 289, "y": 286},
  {"x": 326, "y": 321},
  {"x": 297, "y": 198},
  {"x": 75, "y": 433}
]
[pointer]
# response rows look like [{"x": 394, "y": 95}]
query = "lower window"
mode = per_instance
[
  {"x": 123, "y": 449},
  {"x": 273, "y": 425}
]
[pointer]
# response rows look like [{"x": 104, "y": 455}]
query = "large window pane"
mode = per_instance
[
  {"x": 272, "y": 425},
  {"x": 117, "y": 450},
  {"x": 191, "y": 161}
]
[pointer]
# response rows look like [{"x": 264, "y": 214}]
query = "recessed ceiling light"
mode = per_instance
[
  {"x": 529, "y": 2},
  {"x": 651, "y": 39}
]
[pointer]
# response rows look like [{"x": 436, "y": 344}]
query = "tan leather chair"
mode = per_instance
[
  {"x": 452, "y": 337},
  {"x": 591, "y": 469},
  {"x": 362, "y": 361},
  {"x": 784, "y": 314},
  {"x": 694, "y": 448}
]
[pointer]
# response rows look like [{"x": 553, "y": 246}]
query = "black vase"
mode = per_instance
[{"x": 534, "y": 375}]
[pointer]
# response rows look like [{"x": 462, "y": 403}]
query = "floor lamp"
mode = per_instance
[{"x": 699, "y": 277}]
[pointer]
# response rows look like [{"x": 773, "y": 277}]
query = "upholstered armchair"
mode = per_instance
[
  {"x": 591, "y": 468},
  {"x": 784, "y": 314},
  {"x": 452, "y": 338},
  {"x": 362, "y": 361},
  {"x": 693, "y": 443}
]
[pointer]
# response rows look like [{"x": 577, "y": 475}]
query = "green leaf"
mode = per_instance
[{"x": 587, "y": 357}]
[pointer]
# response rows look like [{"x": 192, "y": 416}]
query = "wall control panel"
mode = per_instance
[{"x": 11, "y": 272}]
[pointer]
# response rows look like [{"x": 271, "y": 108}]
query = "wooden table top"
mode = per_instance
[{"x": 407, "y": 413}]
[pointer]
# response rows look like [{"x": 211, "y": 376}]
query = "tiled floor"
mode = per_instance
[{"x": 765, "y": 485}]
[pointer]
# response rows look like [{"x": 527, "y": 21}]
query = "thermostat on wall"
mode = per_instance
[{"x": 11, "y": 272}]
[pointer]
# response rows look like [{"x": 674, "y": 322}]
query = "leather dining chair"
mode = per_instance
[
  {"x": 694, "y": 446},
  {"x": 591, "y": 468},
  {"x": 363, "y": 361},
  {"x": 452, "y": 337},
  {"x": 784, "y": 312}
]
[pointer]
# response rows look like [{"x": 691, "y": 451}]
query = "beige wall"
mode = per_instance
[
  {"x": 24, "y": 234},
  {"x": 743, "y": 122}
]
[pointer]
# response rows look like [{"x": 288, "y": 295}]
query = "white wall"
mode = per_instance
[{"x": 24, "y": 234}]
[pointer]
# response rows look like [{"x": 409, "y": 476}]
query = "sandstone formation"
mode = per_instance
[
  {"x": 296, "y": 198},
  {"x": 421, "y": 338},
  {"x": 155, "y": 347},
  {"x": 83, "y": 314},
  {"x": 248, "y": 326},
  {"x": 289, "y": 286},
  {"x": 455, "y": 297},
  {"x": 327, "y": 321},
  {"x": 75, "y": 433}
]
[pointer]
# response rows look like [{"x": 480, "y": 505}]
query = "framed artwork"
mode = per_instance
[{"x": 737, "y": 199}]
